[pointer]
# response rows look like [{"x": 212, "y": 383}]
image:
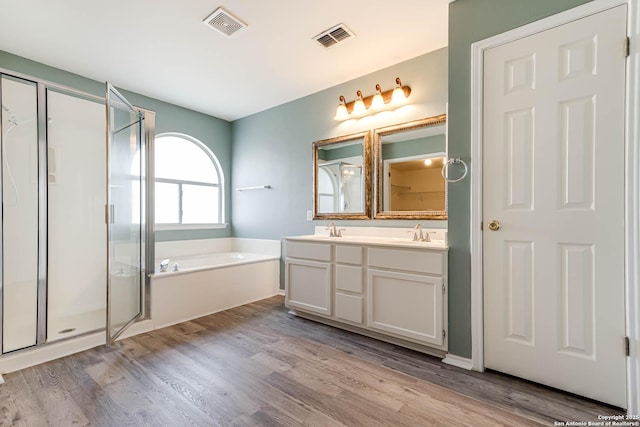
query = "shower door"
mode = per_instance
[{"x": 125, "y": 214}]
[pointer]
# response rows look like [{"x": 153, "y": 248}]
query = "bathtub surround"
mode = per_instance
[
  {"x": 183, "y": 297},
  {"x": 213, "y": 275}
]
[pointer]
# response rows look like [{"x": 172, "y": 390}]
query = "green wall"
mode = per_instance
[
  {"x": 471, "y": 21},
  {"x": 352, "y": 150},
  {"x": 414, "y": 147},
  {"x": 274, "y": 147},
  {"x": 213, "y": 132}
]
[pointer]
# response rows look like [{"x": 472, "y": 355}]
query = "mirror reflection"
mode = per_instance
[
  {"x": 409, "y": 160},
  {"x": 341, "y": 183}
]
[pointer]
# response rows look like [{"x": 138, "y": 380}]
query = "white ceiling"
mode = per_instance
[{"x": 161, "y": 48}]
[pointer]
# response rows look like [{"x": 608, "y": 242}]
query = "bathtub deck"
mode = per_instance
[{"x": 258, "y": 365}]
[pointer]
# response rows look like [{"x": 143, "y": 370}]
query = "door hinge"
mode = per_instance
[
  {"x": 481, "y": 225},
  {"x": 444, "y": 334},
  {"x": 627, "y": 47},
  {"x": 627, "y": 350},
  {"x": 443, "y": 288}
]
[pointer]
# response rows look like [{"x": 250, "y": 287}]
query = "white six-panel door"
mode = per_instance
[{"x": 553, "y": 187}]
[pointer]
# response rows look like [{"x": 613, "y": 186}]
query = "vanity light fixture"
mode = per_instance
[{"x": 362, "y": 106}]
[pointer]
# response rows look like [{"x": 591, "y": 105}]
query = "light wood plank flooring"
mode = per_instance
[{"x": 258, "y": 365}]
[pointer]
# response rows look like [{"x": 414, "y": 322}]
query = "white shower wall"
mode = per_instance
[
  {"x": 77, "y": 249},
  {"x": 19, "y": 214}
]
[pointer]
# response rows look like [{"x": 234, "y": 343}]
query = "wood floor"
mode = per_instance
[{"x": 258, "y": 365}]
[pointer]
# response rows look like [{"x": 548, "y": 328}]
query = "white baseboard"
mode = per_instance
[
  {"x": 1, "y": 380},
  {"x": 137, "y": 328},
  {"x": 460, "y": 362},
  {"x": 281, "y": 292},
  {"x": 24, "y": 359}
]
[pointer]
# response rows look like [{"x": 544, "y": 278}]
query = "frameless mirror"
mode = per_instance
[
  {"x": 408, "y": 163},
  {"x": 342, "y": 177}
]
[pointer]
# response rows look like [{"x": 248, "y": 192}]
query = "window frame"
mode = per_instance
[{"x": 220, "y": 186}]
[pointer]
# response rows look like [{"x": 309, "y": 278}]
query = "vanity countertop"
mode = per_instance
[{"x": 373, "y": 241}]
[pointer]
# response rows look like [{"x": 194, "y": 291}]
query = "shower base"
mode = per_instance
[{"x": 61, "y": 327}]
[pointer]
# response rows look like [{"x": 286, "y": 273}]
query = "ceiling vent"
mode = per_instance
[
  {"x": 224, "y": 22},
  {"x": 334, "y": 35}
]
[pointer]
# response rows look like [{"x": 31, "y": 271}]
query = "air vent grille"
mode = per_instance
[
  {"x": 224, "y": 22},
  {"x": 334, "y": 35}
]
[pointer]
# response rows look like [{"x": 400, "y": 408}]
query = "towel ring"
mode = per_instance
[{"x": 445, "y": 169}]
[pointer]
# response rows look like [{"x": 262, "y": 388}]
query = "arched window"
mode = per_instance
[{"x": 189, "y": 187}]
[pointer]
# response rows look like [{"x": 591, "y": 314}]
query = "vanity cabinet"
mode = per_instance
[{"x": 394, "y": 293}]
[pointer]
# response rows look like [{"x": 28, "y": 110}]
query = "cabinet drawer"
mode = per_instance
[
  {"x": 349, "y": 307},
  {"x": 349, "y": 278},
  {"x": 398, "y": 259},
  {"x": 349, "y": 254},
  {"x": 315, "y": 251}
]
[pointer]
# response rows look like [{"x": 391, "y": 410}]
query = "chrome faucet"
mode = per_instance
[
  {"x": 419, "y": 235},
  {"x": 333, "y": 232},
  {"x": 164, "y": 265}
]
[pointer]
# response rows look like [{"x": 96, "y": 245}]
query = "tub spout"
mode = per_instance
[{"x": 164, "y": 265}]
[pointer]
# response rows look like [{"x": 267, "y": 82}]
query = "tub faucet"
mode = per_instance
[{"x": 164, "y": 265}]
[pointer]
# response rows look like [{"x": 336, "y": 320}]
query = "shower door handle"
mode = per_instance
[{"x": 109, "y": 214}]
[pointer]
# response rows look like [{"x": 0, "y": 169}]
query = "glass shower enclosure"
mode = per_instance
[{"x": 74, "y": 218}]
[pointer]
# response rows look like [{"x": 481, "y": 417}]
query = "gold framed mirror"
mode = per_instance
[
  {"x": 408, "y": 160},
  {"x": 342, "y": 177}
]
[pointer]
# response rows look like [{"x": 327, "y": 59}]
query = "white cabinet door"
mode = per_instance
[
  {"x": 407, "y": 305},
  {"x": 554, "y": 177},
  {"x": 308, "y": 285}
]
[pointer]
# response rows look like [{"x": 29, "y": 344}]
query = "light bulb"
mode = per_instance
[
  {"x": 377, "y": 103},
  {"x": 398, "y": 96},
  {"x": 427, "y": 162},
  {"x": 341, "y": 111},
  {"x": 358, "y": 107}
]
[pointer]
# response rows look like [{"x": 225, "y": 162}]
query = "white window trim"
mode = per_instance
[{"x": 221, "y": 185}]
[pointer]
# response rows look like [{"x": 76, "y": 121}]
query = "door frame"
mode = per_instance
[{"x": 632, "y": 181}]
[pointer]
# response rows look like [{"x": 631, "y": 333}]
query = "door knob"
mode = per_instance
[{"x": 494, "y": 225}]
